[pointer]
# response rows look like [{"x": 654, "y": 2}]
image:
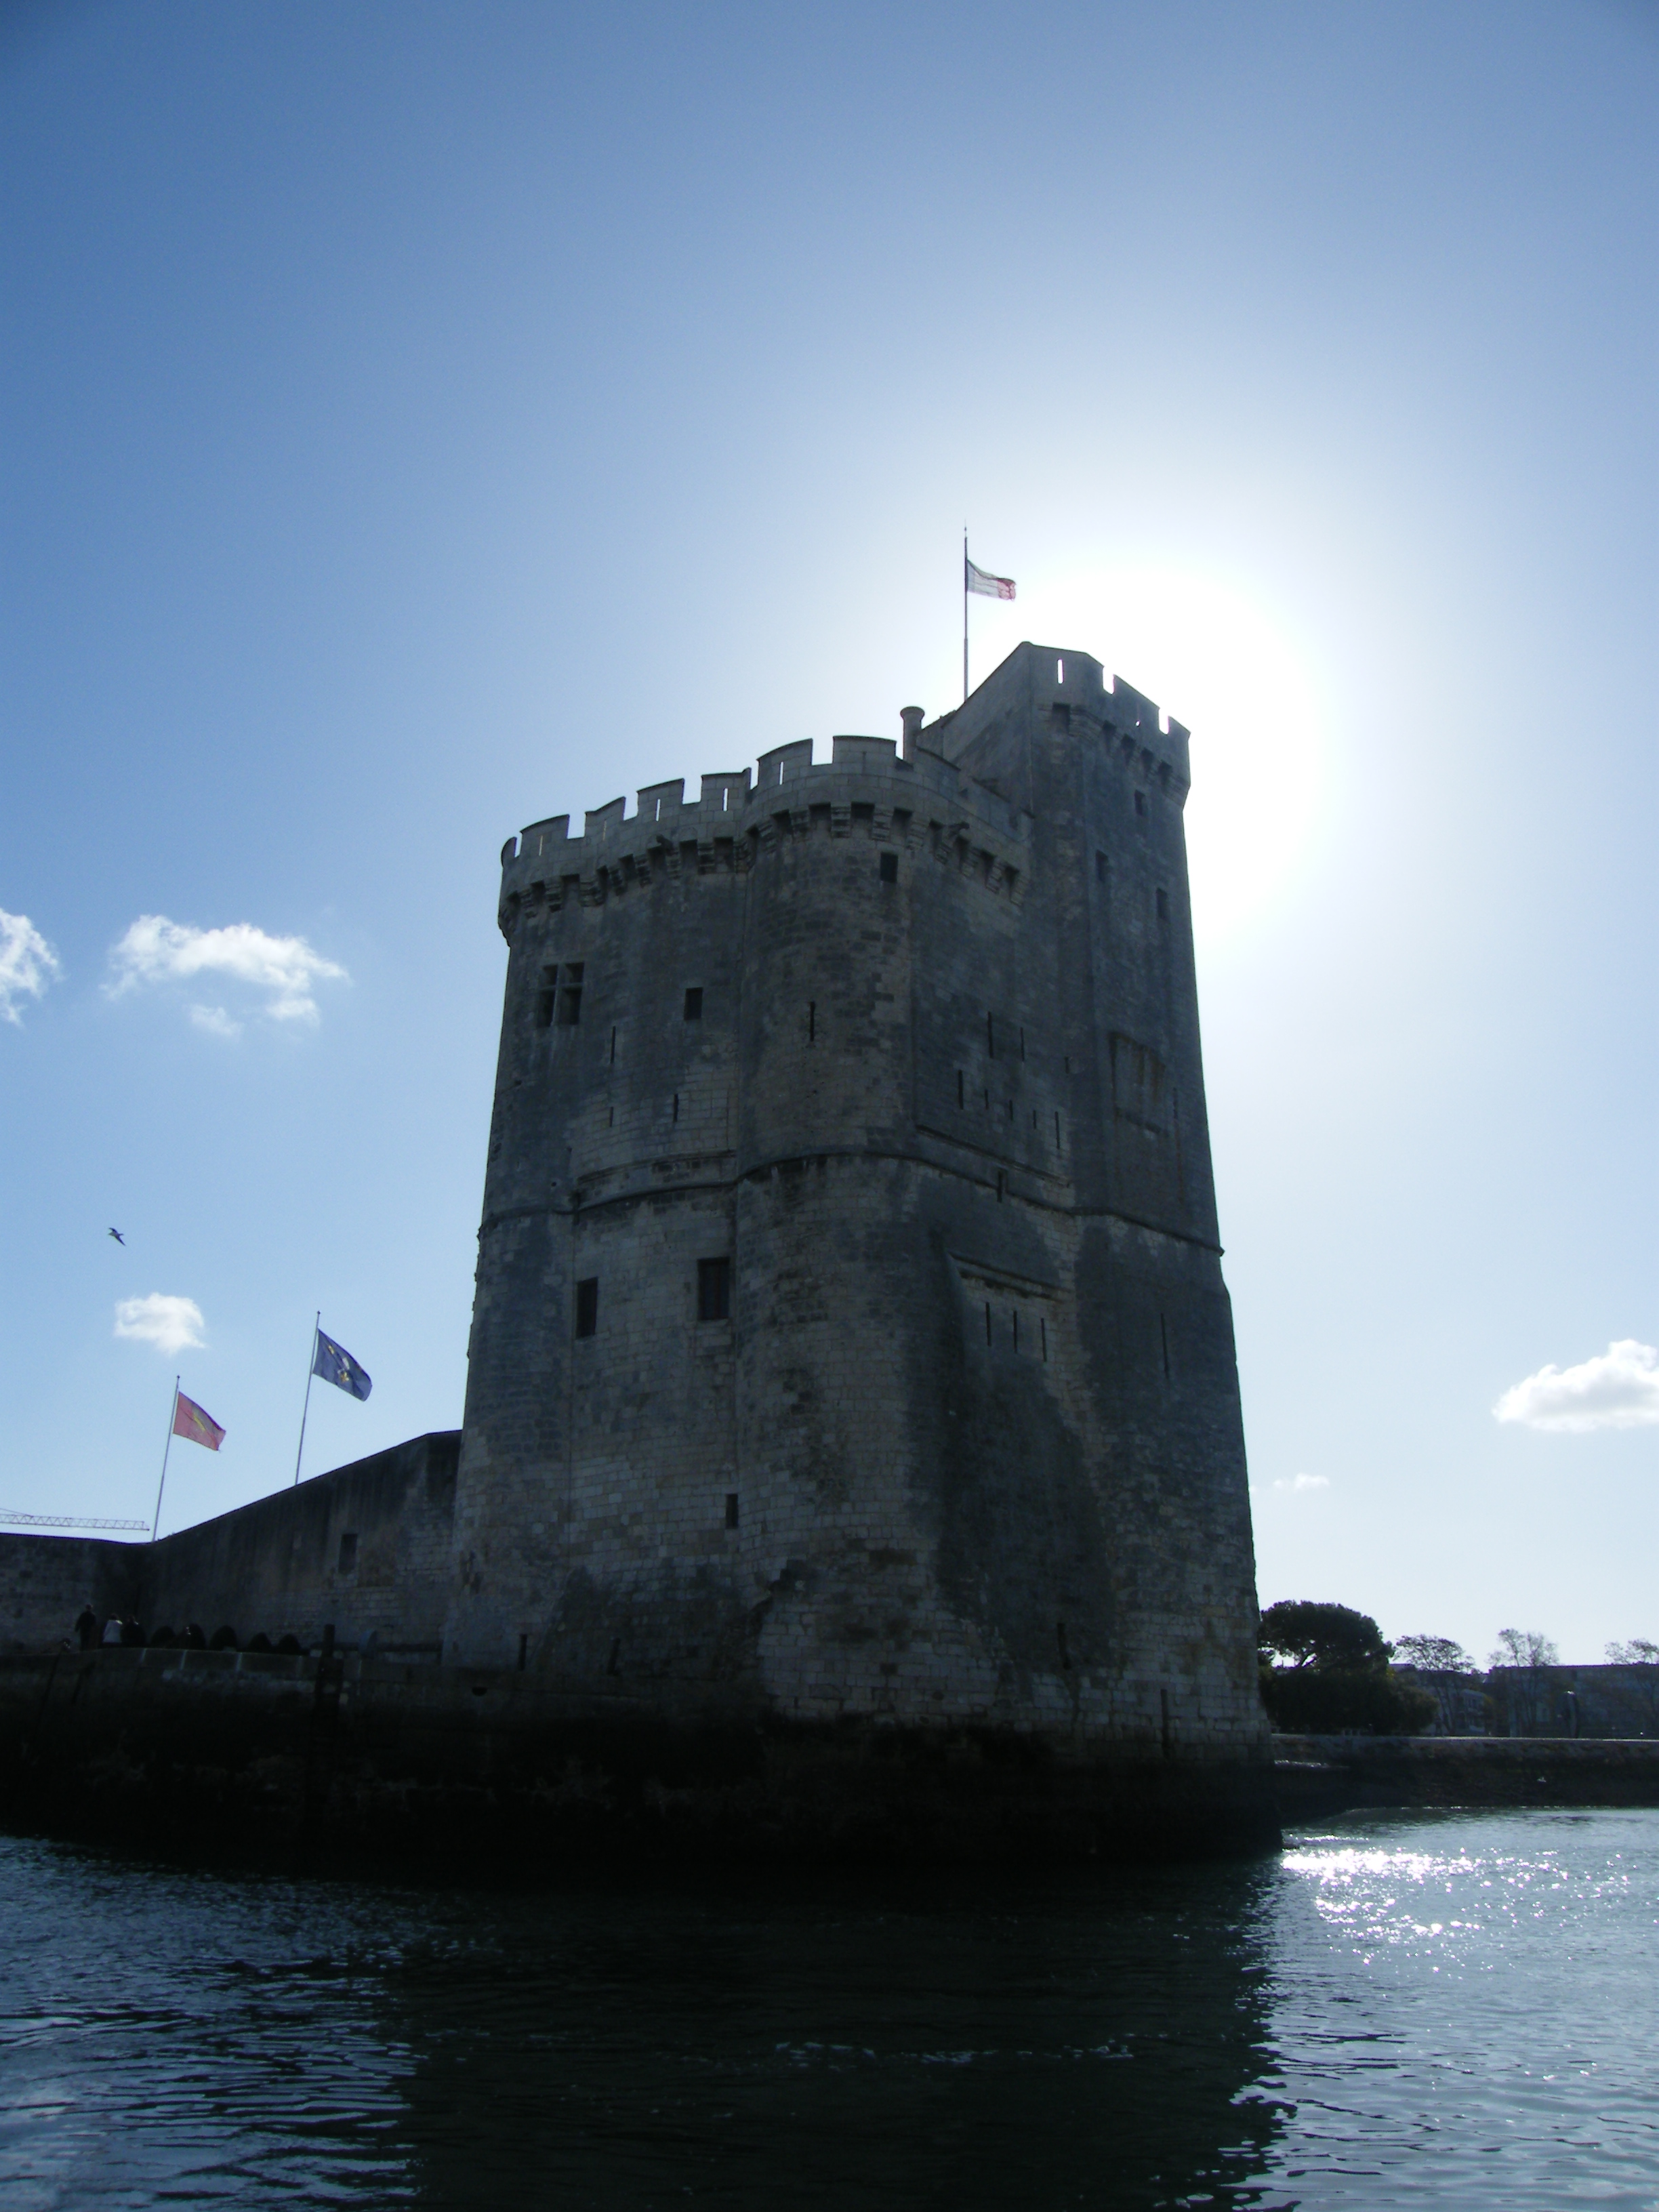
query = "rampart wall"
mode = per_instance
[
  {"x": 45, "y": 1580},
  {"x": 367, "y": 1547}
]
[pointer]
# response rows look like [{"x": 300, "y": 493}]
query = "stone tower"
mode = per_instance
[{"x": 850, "y": 1336}]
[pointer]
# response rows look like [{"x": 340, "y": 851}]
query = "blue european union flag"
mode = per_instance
[{"x": 336, "y": 1364}]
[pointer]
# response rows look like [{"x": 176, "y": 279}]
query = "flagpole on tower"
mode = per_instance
[
  {"x": 311, "y": 1369},
  {"x": 172, "y": 1415},
  {"x": 964, "y": 614}
]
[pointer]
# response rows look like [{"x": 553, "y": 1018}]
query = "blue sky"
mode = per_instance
[{"x": 420, "y": 419}]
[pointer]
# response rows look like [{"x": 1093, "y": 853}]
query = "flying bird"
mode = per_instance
[{"x": 117, "y": 1235}]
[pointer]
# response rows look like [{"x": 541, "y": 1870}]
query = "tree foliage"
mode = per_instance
[
  {"x": 1436, "y": 1655},
  {"x": 1524, "y": 1647},
  {"x": 1639, "y": 1652},
  {"x": 1315, "y": 1634},
  {"x": 1344, "y": 1701},
  {"x": 1338, "y": 1679}
]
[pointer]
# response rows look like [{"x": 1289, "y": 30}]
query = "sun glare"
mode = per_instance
[{"x": 1218, "y": 661}]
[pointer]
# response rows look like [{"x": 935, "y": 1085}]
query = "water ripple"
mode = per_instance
[{"x": 1399, "y": 2010}]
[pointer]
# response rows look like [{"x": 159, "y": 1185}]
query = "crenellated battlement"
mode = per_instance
[
  {"x": 1067, "y": 691},
  {"x": 866, "y": 788},
  {"x": 955, "y": 788}
]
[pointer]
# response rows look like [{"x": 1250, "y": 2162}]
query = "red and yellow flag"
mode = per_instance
[{"x": 189, "y": 1420}]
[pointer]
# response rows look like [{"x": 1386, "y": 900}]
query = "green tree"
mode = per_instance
[
  {"x": 1338, "y": 1681},
  {"x": 1520, "y": 1680},
  {"x": 1314, "y": 1635},
  {"x": 1436, "y": 1655},
  {"x": 1524, "y": 1647}
]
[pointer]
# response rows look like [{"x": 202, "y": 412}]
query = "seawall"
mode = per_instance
[
  {"x": 1317, "y": 1776},
  {"x": 468, "y": 1769}
]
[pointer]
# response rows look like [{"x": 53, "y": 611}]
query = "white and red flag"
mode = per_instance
[
  {"x": 980, "y": 581},
  {"x": 189, "y": 1420}
]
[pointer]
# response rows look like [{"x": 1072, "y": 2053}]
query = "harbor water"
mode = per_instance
[{"x": 1398, "y": 2010}]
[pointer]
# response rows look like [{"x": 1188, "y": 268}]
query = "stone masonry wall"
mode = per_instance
[
  {"x": 45, "y": 1580},
  {"x": 910, "y": 1045},
  {"x": 368, "y": 1547}
]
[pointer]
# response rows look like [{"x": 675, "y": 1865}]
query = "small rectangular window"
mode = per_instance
[
  {"x": 812, "y": 1021},
  {"x": 1100, "y": 867},
  {"x": 694, "y": 1004},
  {"x": 889, "y": 867},
  {"x": 1163, "y": 906},
  {"x": 677, "y": 1107},
  {"x": 613, "y": 1046},
  {"x": 959, "y": 1087},
  {"x": 990, "y": 1037},
  {"x": 546, "y": 999},
  {"x": 1043, "y": 1332},
  {"x": 1014, "y": 1317},
  {"x": 714, "y": 1290},
  {"x": 730, "y": 1509},
  {"x": 570, "y": 1006},
  {"x": 1141, "y": 802},
  {"x": 348, "y": 1561},
  {"x": 587, "y": 1306}
]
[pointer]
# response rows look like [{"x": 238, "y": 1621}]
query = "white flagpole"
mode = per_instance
[
  {"x": 311, "y": 1362},
  {"x": 172, "y": 1415},
  {"x": 964, "y": 614}
]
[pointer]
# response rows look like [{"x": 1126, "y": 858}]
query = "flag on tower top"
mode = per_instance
[
  {"x": 993, "y": 587},
  {"x": 189, "y": 1420}
]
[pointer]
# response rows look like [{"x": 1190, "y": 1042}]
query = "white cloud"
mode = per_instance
[
  {"x": 1294, "y": 1486},
  {"x": 170, "y": 1324},
  {"x": 27, "y": 964},
  {"x": 1617, "y": 1389},
  {"x": 157, "y": 950}
]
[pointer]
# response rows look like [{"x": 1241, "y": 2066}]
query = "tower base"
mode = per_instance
[{"x": 468, "y": 1771}]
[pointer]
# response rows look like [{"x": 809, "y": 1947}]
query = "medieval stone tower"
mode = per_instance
[{"x": 850, "y": 1333}]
